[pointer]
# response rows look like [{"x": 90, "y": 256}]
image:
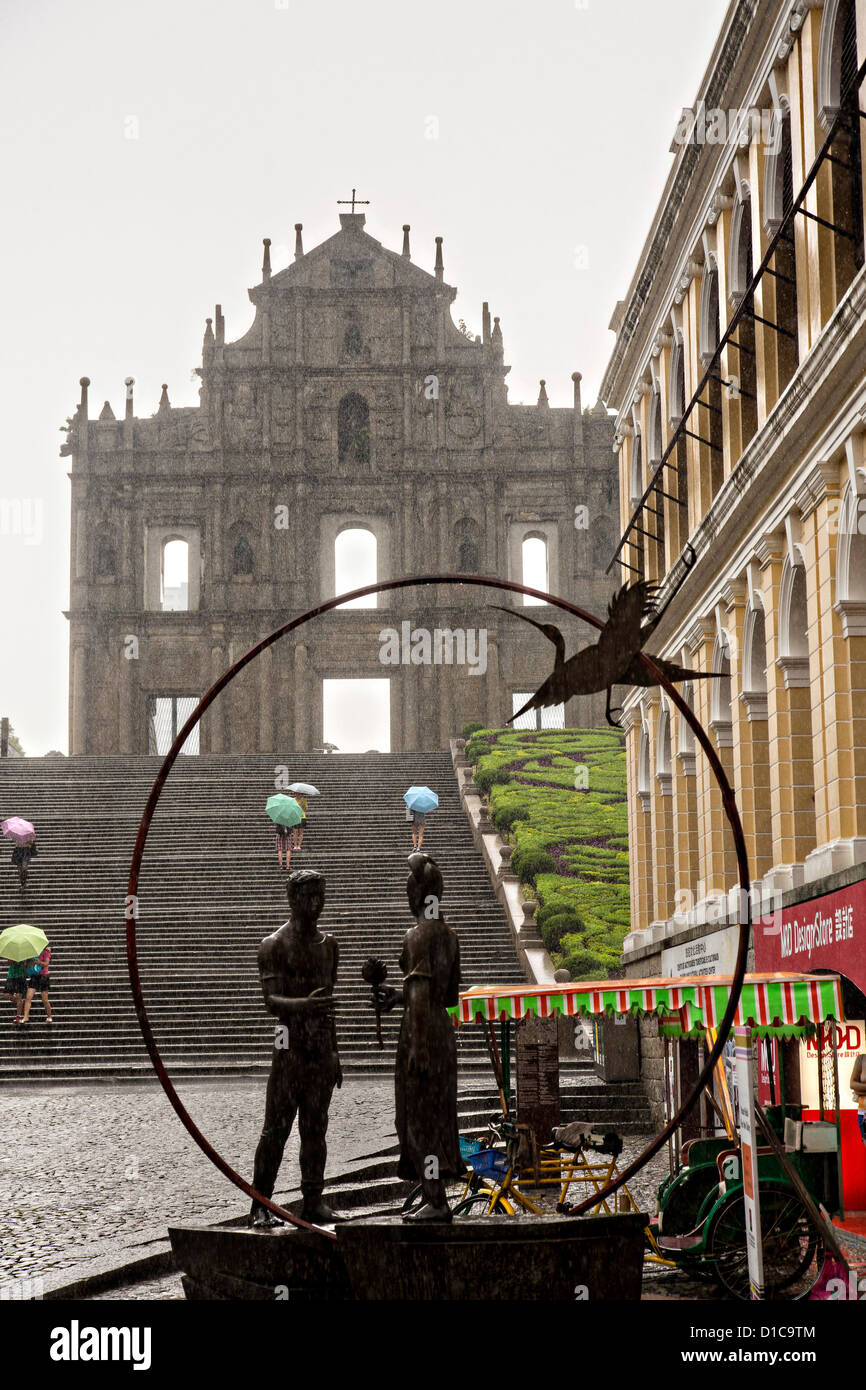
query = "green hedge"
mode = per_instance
[{"x": 560, "y": 797}]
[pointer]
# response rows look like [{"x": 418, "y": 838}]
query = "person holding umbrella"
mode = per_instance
[
  {"x": 419, "y": 800},
  {"x": 301, "y": 791},
  {"x": 23, "y": 836},
  {"x": 285, "y": 812},
  {"x": 15, "y": 986},
  {"x": 38, "y": 981},
  {"x": 20, "y": 945}
]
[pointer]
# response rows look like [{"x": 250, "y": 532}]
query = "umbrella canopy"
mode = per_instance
[
  {"x": 767, "y": 1001},
  {"x": 304, "y": 789},
  {"x": 18, "y": 829},
  {"x": 22, "y": 942},
  {"x": 284, "y": 810},
  {"x": 421, "y": 799}
]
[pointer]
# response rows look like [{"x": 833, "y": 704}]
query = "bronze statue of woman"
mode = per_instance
[{"x": 426, "y": 1064}]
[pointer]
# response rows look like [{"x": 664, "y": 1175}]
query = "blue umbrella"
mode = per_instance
[{"x": 421, "y": 799}]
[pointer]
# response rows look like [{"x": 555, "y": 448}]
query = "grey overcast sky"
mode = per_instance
[{"x": 149, "y": 147}]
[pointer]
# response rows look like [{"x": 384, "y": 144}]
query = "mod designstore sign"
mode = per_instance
[{"x": 826, "y": 933}]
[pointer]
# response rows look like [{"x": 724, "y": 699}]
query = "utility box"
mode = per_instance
[
  {"x": 811, "y": 1137},
  {"x": 617, "y": 1048}
]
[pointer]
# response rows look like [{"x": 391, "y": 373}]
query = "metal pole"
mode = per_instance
[
  {"x": 744, "y": 1077},
  {"x": 820, "y": 1071},
  {"x": 838, "y": 1099}
]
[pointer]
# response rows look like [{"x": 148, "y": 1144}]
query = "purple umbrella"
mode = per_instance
[{"x": 20, "y": 831}]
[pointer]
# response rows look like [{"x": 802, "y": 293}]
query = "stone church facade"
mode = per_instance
[{"x": 353, "y": 403}]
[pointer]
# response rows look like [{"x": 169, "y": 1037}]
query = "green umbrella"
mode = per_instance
[
  {"x": 284, "y": 810},
  {"x": 22, "y": 942}
]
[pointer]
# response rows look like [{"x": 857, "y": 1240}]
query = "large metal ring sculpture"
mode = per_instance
[{"x": 408, "y": 582}]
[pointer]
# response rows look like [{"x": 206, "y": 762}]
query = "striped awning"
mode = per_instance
[{"x": 695, "y": 1002}]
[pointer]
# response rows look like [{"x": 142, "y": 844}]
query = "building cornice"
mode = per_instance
[
  {"x": 825, "y": 480},
  {"x": 701, "y": 631}
]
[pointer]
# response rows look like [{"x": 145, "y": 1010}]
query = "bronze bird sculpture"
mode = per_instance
[{"x": 613, "y": 660}]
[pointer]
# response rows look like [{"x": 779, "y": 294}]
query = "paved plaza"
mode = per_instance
[{"x": 98, "y": 1171}]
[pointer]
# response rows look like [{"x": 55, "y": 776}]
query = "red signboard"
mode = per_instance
[{"x": 826, "y": 933}]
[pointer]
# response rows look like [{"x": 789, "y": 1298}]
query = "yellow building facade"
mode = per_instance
[{"x": 739, "y": 381}]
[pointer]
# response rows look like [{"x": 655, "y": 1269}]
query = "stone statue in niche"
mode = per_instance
[
  {"x": 106, "y": 558},
  {"x": 243, "y": 424},
  {"x": 283, "y": 413},
  {"x": 423, "y": 405},
  {"x": 199, "y": 435},
  {"x": 426, "y": 1063},
  {"x": 463, "y": 410},
  {"x": 298, "y": 971}
]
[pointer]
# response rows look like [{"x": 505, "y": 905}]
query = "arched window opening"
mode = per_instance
[
  {"x": 166, "y": 716},
  {"x": 846, "y": 168},
  {"x": 663, "y": 750},
  {"x": 779, "y": 199},
  {"x": 355, "y": 565},
  {"x": 685, "y": 737},
  {"x": 535, "y": 568},
  {"x": 353, "y": 429},
  {"x": 795, "y": 617},
  {"x": 635, "y": 486},
  {"x": 754, "y": 692},
  {"x": 643, "y": 765},
  {"x": 710, "y": 418},
  {"x": 709, "y": 318},
  {"x": 634, "y": 552},
  {"x": 755, "y": 654},
  {"x": 174, "y": 577},
  {"x": 552, "y": 717},
  {"x": 106, "y": 558},
  {"x": 851, "y": 552},
  {"x": 656, "y": 442},
  {"x": 677, "y": 409},
  {"x": 746, "y": 387},
  {"x": 793, "y": 625},
  {"x": 656, "y": 518},
  {"x": 242, "y": 559},
  {"x": 720, "y": 693}
]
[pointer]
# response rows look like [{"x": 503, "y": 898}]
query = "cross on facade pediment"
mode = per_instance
[{"x": 362, "y": 202}]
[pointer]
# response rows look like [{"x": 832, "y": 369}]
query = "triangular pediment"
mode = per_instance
[{"x": 353, "y": 259}]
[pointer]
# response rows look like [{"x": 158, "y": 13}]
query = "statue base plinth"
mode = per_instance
[{"x": 490, "y": 1258}]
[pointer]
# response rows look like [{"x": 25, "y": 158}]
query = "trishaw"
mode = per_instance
[{"x": 701, "y": 1224}]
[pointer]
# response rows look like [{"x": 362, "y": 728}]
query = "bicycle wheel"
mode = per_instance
[
  {"x": 793, "y": 1250},
  {"x": 414, "y": 1199},
  {"x": 484, "y": 1204}
]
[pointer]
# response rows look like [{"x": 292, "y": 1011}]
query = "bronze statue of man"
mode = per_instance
[
  {"x": 426, "y": 1062},
  {"x": 298, "y": 970}
]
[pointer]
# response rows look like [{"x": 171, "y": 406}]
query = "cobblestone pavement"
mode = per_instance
[{"x": 90, "y": 1171}]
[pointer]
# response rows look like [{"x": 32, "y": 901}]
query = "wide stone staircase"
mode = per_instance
[{"x": 210, "y": 889}]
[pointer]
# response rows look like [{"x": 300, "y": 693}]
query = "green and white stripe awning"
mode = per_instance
[{"x": 682, "y": 1005}]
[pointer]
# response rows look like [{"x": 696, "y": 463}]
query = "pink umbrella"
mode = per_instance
[{"x": 18, "y": 830}]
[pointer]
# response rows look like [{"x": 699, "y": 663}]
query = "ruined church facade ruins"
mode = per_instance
[{"x": 352, "y": 412}]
